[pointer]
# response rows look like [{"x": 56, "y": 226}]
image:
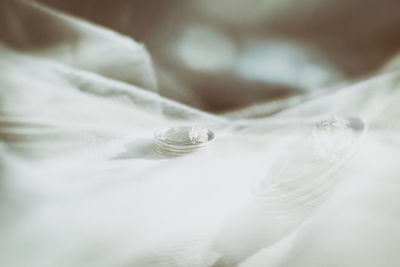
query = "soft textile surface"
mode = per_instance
[{"x": 81, "y": 185}]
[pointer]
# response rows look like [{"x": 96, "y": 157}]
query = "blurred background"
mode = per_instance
[{"x": 222, "y": 55}]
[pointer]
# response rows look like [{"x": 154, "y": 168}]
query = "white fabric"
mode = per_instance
[{"x": 81, "y": 185}]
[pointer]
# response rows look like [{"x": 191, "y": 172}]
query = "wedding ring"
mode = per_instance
[
  {"x": 182, "y": 140},
  {"x": 301, "y": 181}
]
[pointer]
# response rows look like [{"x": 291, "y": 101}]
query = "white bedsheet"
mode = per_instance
[{"x": 80, "y": 184}]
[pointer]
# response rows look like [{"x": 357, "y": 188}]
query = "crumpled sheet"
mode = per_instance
[{"x": 81, "y": 185}]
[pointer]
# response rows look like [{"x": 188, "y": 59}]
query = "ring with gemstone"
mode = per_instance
[{"x": 182, "y": 140}]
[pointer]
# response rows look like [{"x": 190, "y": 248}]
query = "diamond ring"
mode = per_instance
[{"x": 182, "y": 140}]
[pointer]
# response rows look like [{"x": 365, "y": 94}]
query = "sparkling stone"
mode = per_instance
[
  {"x": 332, "y": 137},
  {"x": 198, "y": 134}
]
